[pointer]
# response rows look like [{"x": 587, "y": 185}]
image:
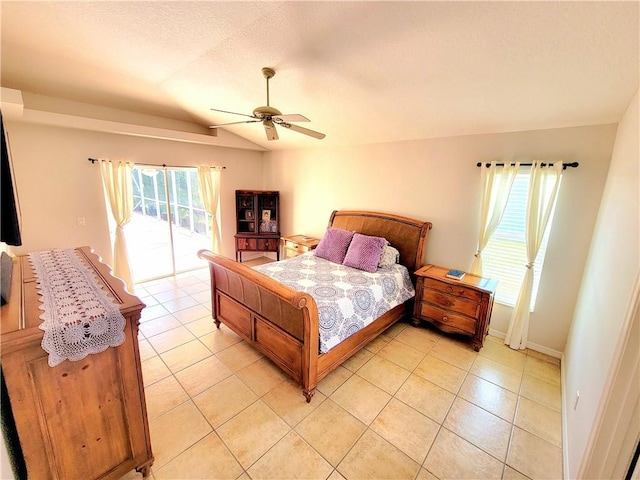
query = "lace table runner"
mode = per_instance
[{"x": 79, "y": 318}]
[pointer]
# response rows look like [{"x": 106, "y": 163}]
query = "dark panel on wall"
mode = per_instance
[{"x": 9, "y": 224}]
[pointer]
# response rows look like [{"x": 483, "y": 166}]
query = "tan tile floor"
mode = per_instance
[{"x": 414, "y": 403}]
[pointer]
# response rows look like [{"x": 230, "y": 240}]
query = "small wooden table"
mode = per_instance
[
  {"x": 295, "y": 245},
  {"x": 454, "y": 306}
]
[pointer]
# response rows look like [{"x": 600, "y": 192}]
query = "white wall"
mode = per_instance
[
  {"x": 599, "y": 323},
  {"x": 437, "y": 180},
  {"x": 56, "y": 183}
]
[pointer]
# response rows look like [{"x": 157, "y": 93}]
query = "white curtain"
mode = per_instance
[
  {"x": 209, "y": 181},
  {"x": 496, "y": 186},
  {"x": 118, "y": 186},
  {"x": 543, "y": 191}
]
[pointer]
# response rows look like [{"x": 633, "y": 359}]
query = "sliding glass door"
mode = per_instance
[{"x": 168, "y": 225}]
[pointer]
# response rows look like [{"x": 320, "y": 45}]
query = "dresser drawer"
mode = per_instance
[
  {"x": 447, "y": 320},
  {"x": 267, "y": 244},
  {"x": 451, "y": 302},
  {"x": 246, "y": 243},
  {"x": 458, "y": 290}
]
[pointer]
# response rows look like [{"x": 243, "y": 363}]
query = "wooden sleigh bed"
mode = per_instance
[{"x": 282, "y": 323}]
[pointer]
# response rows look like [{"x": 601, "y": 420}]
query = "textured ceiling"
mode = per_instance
[{"x": 362, "y": 72}]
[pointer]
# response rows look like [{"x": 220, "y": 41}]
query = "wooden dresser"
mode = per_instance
[
  {"x": 78, "y": 420},
  {"x": 454, "y": 306}
]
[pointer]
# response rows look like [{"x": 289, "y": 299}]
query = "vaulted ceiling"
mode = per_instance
[{"x": 361, "y": 71}]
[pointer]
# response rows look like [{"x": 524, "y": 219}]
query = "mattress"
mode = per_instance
[{"x": 348, "y": 299}]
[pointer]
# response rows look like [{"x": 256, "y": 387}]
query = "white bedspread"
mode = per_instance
[{"x": 348, "y": 299}]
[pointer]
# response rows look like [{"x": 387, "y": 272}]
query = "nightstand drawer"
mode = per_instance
[
  {"x": 295, "y": 247},
  {"x": 451, "y": 302},
  {"x": 448, "y": 320},
  {"x": 460, "y": 291}
]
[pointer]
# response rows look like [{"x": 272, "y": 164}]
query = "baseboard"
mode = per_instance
[
  {"x": 546, "y": 350},
  {"x": 533, "y": 346},
  {"x": 563, "y": 414},
  {"x": 496, "y": 333}
]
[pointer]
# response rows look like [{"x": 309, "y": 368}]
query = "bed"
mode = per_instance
[{"x": 283, "y": 323}]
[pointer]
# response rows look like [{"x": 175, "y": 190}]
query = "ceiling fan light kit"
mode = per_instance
[{"x": 270, "y": 116}]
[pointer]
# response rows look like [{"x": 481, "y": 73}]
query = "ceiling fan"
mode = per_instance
[{"x": 270, "y": 117}]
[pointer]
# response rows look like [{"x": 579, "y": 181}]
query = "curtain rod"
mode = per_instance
[
  {"x": 564, "y": 165},
  {"x": 164, "y": 165}
]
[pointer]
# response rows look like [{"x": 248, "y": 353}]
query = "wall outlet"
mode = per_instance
[
  {"x": 575, "y": 402},
  {"x": 81, "y": 222}
]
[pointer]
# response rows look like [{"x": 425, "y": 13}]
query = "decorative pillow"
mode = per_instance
[
  {"x": 334, "y": 244},
  {"x": 364, "y": 252},
  {"x": 390, "y": 256}
]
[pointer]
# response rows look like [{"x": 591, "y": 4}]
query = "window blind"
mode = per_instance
[{"x": 505, "y": 256}]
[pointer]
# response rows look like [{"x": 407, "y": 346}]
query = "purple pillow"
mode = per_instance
[
  {"x": 334, "y": 244},
  {"x": 364, "y": 252}
]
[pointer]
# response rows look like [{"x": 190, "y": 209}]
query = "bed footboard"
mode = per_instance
[{"x": 280, "y": 322}]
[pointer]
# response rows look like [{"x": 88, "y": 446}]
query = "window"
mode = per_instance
[
  {"x": 505, "y": 256},
  {"x": 169, "y": 223}
]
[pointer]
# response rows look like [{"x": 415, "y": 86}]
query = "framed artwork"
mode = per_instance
[
  {"x": 248, "y": 214},
  {"x": 266, "y": 215}
]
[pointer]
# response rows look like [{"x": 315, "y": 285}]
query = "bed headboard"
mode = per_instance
[{"x": 408, "y": 235}]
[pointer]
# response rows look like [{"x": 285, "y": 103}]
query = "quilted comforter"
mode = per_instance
[{"x": 348, "y": 299}]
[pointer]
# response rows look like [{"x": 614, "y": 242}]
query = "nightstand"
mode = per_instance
[
  {"x": 454, "y": 306},
  {"x": 295, "y": 245}
]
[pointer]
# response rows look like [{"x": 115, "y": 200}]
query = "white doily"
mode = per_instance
[{"x": 79, "y": 318}]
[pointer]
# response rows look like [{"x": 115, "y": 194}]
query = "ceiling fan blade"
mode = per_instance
[
  {"x": 306, "y": 131},
  {"x": 292, "y": 117},
  {"x": 232, "y": 113},
  {"x": 233, "y": 123},
  {"x": 270, "y": 130}
]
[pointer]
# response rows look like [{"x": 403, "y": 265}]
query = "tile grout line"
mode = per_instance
[{"x": 368, "y": 427}]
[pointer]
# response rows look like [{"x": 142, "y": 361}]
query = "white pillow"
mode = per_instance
[{"x": 390, "y": 256}]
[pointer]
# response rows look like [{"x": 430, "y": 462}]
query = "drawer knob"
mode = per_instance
[{"x": 445, "y": 319}]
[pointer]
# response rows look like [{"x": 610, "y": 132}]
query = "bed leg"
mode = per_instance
[
  {"x": 217, "y": 322},
  {"x": 308, "y": 394}
]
